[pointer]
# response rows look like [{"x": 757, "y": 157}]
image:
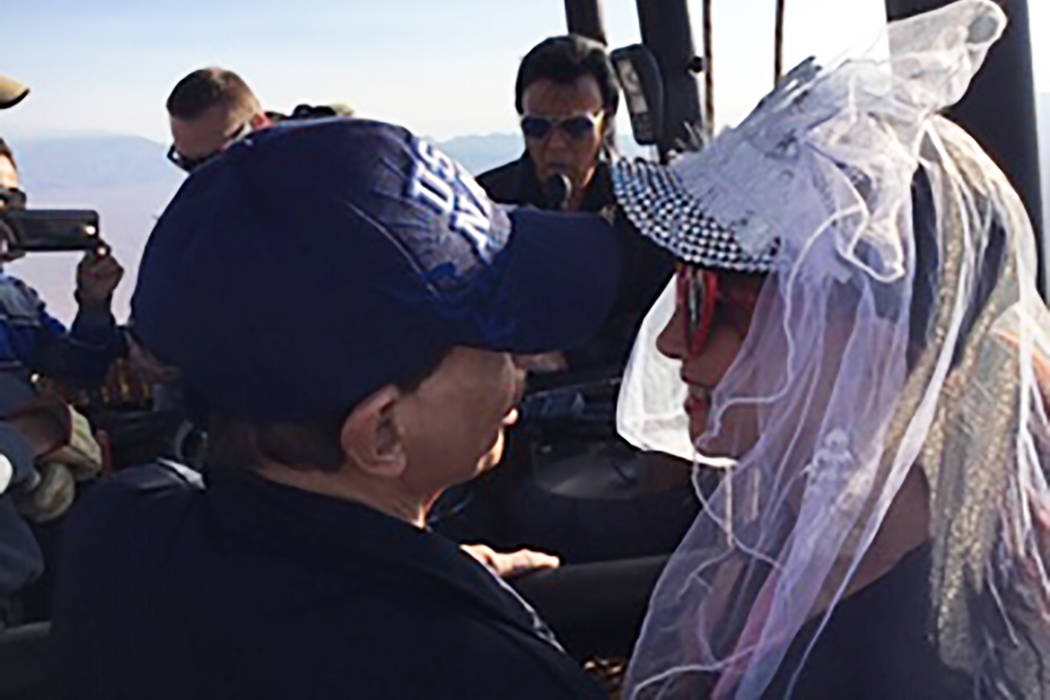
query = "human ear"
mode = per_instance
[
  {"x": 371, "y": 436},
  {"x": 258, "y": 121}
]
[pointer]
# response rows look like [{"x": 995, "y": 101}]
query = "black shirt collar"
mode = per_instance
[
  {"x": 331, "y": 533},
  {"x": 530, "y": 190}
]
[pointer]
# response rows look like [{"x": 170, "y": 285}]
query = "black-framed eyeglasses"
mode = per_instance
[
  {"x": 191, "y": 164},
  {"x": 577, "y": 127}
]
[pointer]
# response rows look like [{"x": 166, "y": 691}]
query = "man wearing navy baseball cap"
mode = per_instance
[{"x": 345, "y": 298}]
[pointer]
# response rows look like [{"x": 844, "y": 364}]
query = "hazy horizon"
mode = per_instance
[
  {"x": 110, "y": 64},
  {"x": 103, "y": 69}
]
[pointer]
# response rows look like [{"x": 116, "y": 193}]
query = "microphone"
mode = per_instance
[{"x": 557, "y": 191}]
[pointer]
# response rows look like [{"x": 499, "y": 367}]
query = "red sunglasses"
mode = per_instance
[{"x": 699, "y": 294}]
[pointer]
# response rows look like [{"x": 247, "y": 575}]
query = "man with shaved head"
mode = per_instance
[{"x": 209, "y": 109}]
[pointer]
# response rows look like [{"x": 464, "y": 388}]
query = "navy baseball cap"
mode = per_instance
[{"x": 315, "y": 262}]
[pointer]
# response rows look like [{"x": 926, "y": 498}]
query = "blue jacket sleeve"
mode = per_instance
[{"x": 82, "y": 355}]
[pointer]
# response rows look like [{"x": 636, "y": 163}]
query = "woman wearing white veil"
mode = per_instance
[{"x": 856, "y": 337}]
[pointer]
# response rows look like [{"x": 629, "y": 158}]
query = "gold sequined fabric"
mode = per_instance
[{"x": 985, "y": 475}]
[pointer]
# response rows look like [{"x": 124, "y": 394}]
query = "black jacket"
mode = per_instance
[
  {"x": 646, "y": 266},
  {"x": 249, "y": 589}
]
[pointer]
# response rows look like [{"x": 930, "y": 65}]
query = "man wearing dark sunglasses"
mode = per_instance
[
  {"x": 209, "y": 109},
  {"x": 566, "y": 95},
  {"x": 566, "y": 144}
]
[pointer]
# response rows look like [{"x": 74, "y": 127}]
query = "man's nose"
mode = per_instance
[
  {"x": 558, "y": 139},
  {"x": 671, "y": 341}
]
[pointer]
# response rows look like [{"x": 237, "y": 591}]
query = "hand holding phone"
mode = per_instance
[
  {"x": 10, "y": 198},
  {"x": 97, "y": 276}
]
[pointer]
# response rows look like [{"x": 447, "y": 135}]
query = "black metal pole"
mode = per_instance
[
  {"x": 667, "y": 32},
  {"x": 999, "y": 110},
  {"x": 708, "y": 25},
  {"x": 778, "y": 44},
  {"x": 584, "y": 17}
]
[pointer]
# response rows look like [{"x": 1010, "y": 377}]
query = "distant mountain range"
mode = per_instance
[
  {"x": 129, "y": 181},
  {"x": 481, "y": 153},
  {"x": 52, "y": 164},
  {"x": 93, "y": 161}
]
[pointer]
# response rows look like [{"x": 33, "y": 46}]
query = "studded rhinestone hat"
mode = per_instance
[
  {"x": 734, "y": 204},
  {"x": 657, "y": 202}
]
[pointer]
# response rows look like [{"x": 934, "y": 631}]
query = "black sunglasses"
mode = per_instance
[
  {"x": 191, "y": 164},
  {"x": 577, "y": 128}
]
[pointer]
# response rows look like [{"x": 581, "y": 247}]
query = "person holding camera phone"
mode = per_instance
[
  {"x": 45, "y": 446},
  {"x": 31, "y": 340},
  {"x": 566, "y": 95}
]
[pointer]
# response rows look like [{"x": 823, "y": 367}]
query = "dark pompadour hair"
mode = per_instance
[
  {"x": 204, "y": 88},
  {"x": 565, "y": 59}
]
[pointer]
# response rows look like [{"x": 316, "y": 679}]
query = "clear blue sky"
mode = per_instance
[{"x": 442, "y": 67}]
